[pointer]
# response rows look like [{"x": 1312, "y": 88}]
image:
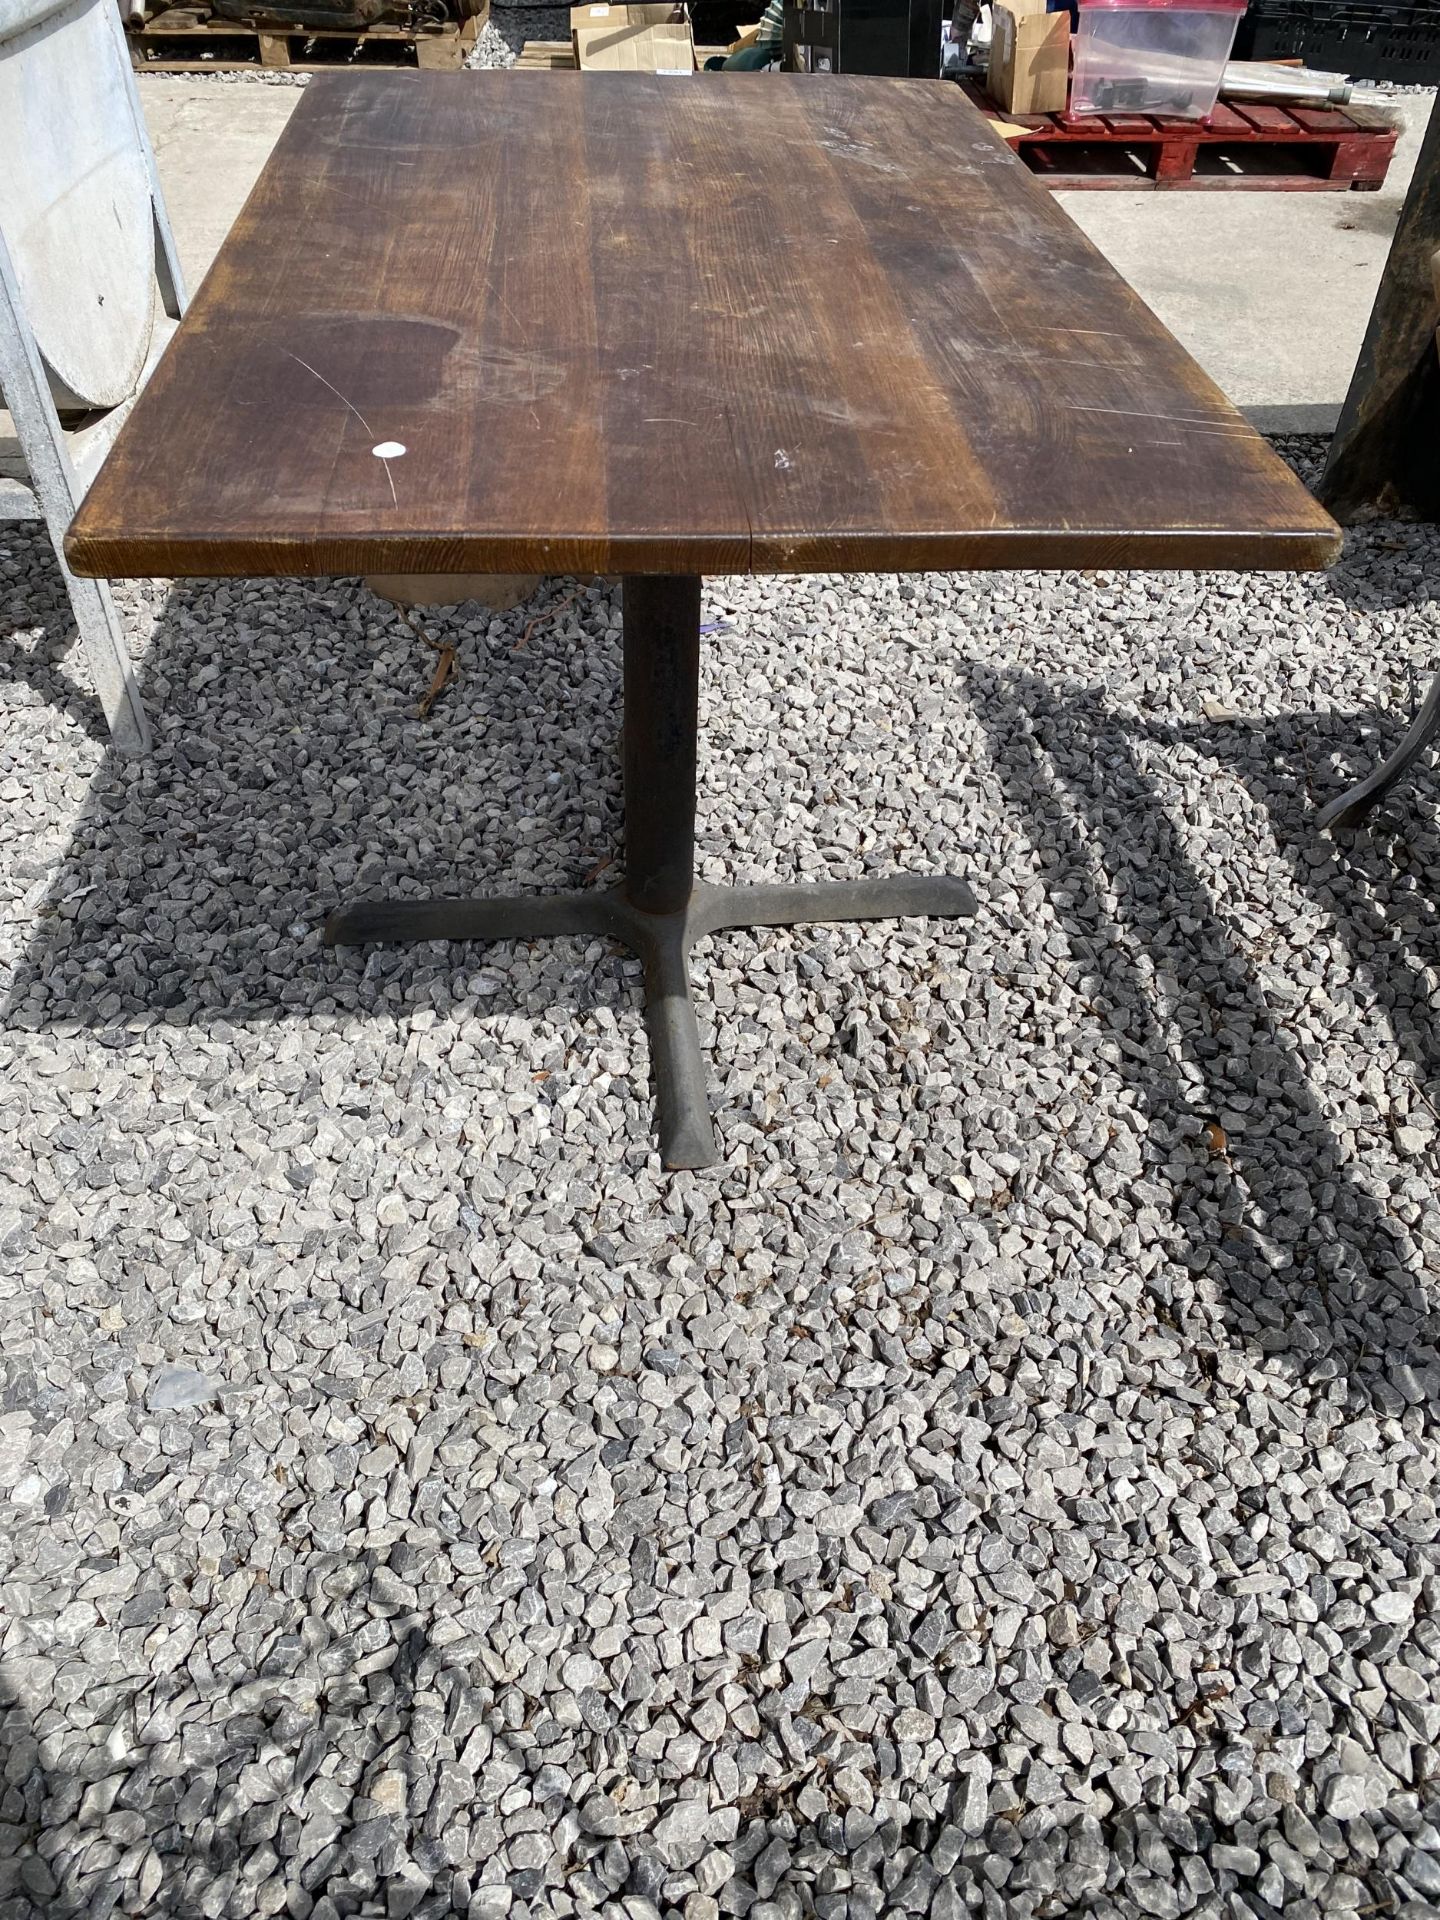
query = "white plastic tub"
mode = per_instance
[{"x": 1152, "y": 56}]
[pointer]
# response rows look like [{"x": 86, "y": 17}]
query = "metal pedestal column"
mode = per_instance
[
  {"x": 659, "y": 912},
  {"x": 662, "y": 723}
]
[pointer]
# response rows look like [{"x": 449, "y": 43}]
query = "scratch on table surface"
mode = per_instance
[
  {"x": 984, "y": 293},
  {"x": 998, "y": 350},
  {"x": 513, "y": 315},
  {"x": 1197, "y": 423},
  {"x": 353, "y": 408},
  {"x": 332, "y": 386}
]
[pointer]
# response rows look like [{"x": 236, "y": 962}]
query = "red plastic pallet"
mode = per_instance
[{"x": 1254, "y": 148}]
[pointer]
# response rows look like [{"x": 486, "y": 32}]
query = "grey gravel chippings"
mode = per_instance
[{"x": 1005, "y": 1487}]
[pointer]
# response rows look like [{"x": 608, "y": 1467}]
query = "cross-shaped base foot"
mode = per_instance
[{"x": 663, "y": 942}]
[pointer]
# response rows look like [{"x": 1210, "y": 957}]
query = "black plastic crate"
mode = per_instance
[{"x": 1368, "y": 39}]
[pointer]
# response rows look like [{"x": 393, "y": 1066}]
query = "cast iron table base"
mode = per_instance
[{"x": 659, "y": 911}]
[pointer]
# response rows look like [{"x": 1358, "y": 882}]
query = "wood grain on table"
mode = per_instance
[{"x": 637, "y": 323}]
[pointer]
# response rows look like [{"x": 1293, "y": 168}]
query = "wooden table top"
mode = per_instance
[{"x": 637, "y": 323}]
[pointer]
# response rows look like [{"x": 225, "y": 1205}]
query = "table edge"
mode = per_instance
[{"x": 130, "y": 555}]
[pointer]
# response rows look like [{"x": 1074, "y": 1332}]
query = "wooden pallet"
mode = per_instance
[
  {"x": 558, "y": 56},
  {"x": 193, "y": 40},
  {"x": 546, "y": 56},
  {"x": 1247, "y": 148}
]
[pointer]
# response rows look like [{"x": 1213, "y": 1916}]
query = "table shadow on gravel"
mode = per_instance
[
  {"x": 197, "y": 1865},
  {"x": 1308, "y": 1263},
  {"x": 293, "y": 774},
  {"x": 339, "y": 791},
  {"x": 196, "y": 1871},
  {"x": 1380, "y": 886},
  {"x": 34, "y": 1792}
]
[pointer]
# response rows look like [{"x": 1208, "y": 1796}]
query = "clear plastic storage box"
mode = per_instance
[{"x": 1152, "y": 56}]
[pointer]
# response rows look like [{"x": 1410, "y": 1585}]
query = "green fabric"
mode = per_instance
[{"x": 748, "y": 60}]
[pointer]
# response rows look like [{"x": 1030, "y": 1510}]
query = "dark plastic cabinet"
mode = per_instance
[{"x": 865, "y": 36}]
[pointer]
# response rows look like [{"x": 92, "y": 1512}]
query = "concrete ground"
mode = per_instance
[
  {"x": 1269, "y": 291},
  {"x": 211, "y": 138}
]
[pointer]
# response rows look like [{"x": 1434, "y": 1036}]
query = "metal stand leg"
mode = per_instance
[
  {"x": 662, "y": 723},
  {"x": 659, "y": 912},
  {"x": 42, "y": 441},
  {"x": 1351, "y": 808}
]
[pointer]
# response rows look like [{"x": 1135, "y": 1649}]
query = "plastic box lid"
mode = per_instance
[{"x": 1168, "y": 6}]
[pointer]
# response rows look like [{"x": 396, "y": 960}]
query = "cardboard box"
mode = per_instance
[
  {"x": 1029, "y": 57},
  {"x": 644, "y": 36}
]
